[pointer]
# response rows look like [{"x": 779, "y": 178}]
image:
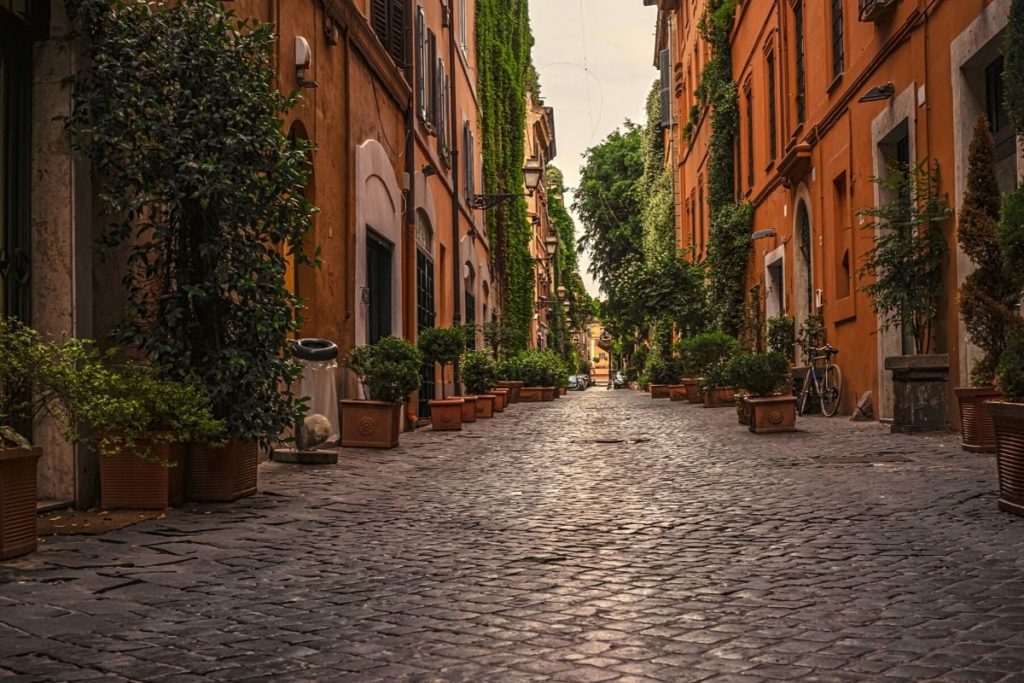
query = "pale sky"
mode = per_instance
[{"x": 596, "y": 64}]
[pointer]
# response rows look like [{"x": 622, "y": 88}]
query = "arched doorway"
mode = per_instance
[
  {"x": 803, "y": 259},
  {"x": 469, "y": 312}
]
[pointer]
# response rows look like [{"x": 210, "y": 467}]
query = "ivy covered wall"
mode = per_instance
[{"x": 503, "y": 43}]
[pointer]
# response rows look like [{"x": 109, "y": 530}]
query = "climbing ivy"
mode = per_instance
[
  {"x": 503, "y": 42},
  {"x": 729, "y": 244}
]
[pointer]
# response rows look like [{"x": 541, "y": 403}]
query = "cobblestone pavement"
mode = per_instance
[{"x": 602, "y": 537}]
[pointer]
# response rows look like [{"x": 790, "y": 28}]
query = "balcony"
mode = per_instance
[{"x": 876, "y": 10}]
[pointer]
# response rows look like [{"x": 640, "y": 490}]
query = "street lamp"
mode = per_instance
[
  {"x": 551, "y": 246},
  {"x": 561, "y": 291},
  {"x": 532, "y": 174}
]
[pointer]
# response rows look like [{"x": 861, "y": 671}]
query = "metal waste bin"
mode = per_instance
[{"x": 319, "y": 358}]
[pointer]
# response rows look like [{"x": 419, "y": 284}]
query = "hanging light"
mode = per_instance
[{"x": 532, "y": 174}]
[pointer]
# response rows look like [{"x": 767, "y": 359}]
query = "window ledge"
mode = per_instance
[{"x": 835, "y": 83}]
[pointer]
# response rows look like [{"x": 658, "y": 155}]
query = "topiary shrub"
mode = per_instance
[
  {"x": 389, "y": 369},
  {"x": 702, "y": 352},
  {"x": 479, "y": 371},
  {"x": 719, "y": 376},
  {"x": 443, "y": 346},
  {"x": 1010, "y": 372},
  {"x": 781, "y": 335},
  {"x": 987, "y": 295},
  {"x": 661, "y": 370}
]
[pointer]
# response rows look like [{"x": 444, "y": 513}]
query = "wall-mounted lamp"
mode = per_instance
[
  {"x": 532, "y": 174},
  {"x": 303, "y": 60},
  {"x": 761, "y": 234},
  {"x": 879, "y": 93},
  {"x": 551, "y": 245}
]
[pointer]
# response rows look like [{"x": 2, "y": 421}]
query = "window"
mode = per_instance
[
  {"x": 431, "y": 70},
  {"x": 842, "y": 239},
  {"x": 421, "y": 63},
  {"x": 462, "y": 25},
  {"x": 700, "y": 217},
  {"x": 666, "y": 83},
  {"x": 750, "y": 138},
  {"x": 387, "y": 17},
  {"x": 995, "y": 109},
  {"x": 772, "y": 135},
  {"x": 468, "y": 156},
  {"x": 837, "y": 38},
  {"x": 798, "y": 47},
  {"x": 442, "y": 112}
]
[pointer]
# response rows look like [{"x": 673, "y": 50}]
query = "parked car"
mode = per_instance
[{"x": 578, "y": 382}]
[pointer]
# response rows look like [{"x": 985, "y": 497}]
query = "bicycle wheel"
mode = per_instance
[
  {"x": 801, "y": 404},
  {"x": 831, "y": 390}
]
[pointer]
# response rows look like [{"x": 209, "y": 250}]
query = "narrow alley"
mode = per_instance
[{"x": 608, "y": 537}]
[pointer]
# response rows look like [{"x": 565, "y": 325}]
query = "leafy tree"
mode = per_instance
[
  {"x": 987, "y": 296},
  {"x": 442, "y": 346},
  {"x": 176, "y": 111},
  {"x": 910, "y": 250}
]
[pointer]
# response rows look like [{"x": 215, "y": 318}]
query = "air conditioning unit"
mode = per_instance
[{"x": 875, "y": 10}]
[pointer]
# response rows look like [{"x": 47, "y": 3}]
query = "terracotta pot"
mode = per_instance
[
  {"x": 221, "y": 475},
  {"x": 633, "y": 386},
  {"x": 1008, "y": 419},
  {"x": 446, "y": 414},
  {"x": 693, "y": 391},
  {"x": 659, "y": 390},
  {"x": 719, "y": 397},
  {"x": 562, "y": 391},
  {"x": 370, "y": 424},
  {"x": 920, "y": 384},
  {"x": 531, "y": 394},
  {"x": 468, "y": 409},
  {"x": 127, "y": 482},
  {"x": 513, "y": 386},
  {"x": 548, "y": 393},
  {"x": 742, "y": 410},
  {"x": 485, "y": 405},
  {"x": 677, "y": 392},
  {"x": 977, "y": 433},
  {"x": 18, "y": 501},
  {"x": 501, "y": 398},
  {"x": 770, "y": 414}
]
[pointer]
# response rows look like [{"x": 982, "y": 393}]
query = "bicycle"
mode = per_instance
[{"x": 827, "y": 385}]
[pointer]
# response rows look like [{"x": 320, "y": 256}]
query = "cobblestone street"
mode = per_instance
[{"x": 611, "y": 538}]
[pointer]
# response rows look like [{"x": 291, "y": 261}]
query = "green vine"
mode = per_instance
[
  {"x": 504, "y": 70},
  {"x": 729, "y": 244}
]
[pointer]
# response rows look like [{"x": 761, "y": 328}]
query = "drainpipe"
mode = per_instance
[
  {"x": 410, "y": 155},
  {"x": 456, "y": 257}
]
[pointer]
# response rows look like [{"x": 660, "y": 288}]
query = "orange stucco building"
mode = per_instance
[
  {"x": 540, "y": 150},
  {"x": 831, "y": 92}
]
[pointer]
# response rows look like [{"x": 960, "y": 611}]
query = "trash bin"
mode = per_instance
[{"x": 319, "y": 358}]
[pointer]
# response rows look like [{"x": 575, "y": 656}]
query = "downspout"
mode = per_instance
[
  {"x": 410, "y": 198},
  {"x": 456, "y": 257}
]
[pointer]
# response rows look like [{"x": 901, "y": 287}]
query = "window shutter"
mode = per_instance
[
  {"x": 421, "y": 63},
  {"x": 666, "y": 83},
  {"x": 379, "y": 19},
  {"x": 432, "y": 70},
  {"x": 396, "y": 28}
]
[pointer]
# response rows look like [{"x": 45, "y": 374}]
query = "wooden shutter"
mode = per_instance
[
  {"x": 396, "y": 31},
  {"x": 421, "y": 63},
  {"x": 379, "y": 19},
  {"x": 431, "y": 69},
  {"x": 666, "y": 84}
]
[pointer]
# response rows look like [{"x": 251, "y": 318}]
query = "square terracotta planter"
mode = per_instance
[
  {"x": 446, "y": 414},
  {"x": 370, "y": 424},
  {"x": 977, "y": 432},
  {"x": 500, "y": 399},
  {"x": 677, "y": 392},
  {"x": 772, "y": 414},
  {"x": 562, "y": 391},
  {"x": 221, "y": 474},
  {"x": 18, "y": 501},
  {"x": 659, "y": 391},
  {"x": 127, "y": 482},
  {"x": 693, "y": 390},
  {"x": 548, "y": 393},
  {"x": 531, "y": 394},
  {"x": 719, "y": 397},
  {"x": 513, "y": 386},
  {"x": 1008, "y": 419},
  {"x": 468, "y": 409},
  {"x": 485, "y": 405}
]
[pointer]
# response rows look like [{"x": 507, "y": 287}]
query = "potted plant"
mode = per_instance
[
  {"x": 766, "y": 380},
  {"x": 906, "y": 290},
  {"x": 389, "y": 371},
  {"x": 510, "y": 377},
  {"x": 1008, "y": 420},
  {"x": 479, "y": 372},
  {"x": 738, "y": 367},
  {"x": 443, "y": 347},
  {"x": 211, "y": 227},
  {"x": 781, "y": 336},
  {"x": 987, "y": 295},
  {"x": 719, "y": 387},
  {"x": 140, "y": 424},
  {"x": 29, "y": 377},
  {"x": 533, "y": 373},
  {"x": 662, "y": 373},
  {"x": 698, "y": 355},
  {"x": 554, "y": 370}
]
